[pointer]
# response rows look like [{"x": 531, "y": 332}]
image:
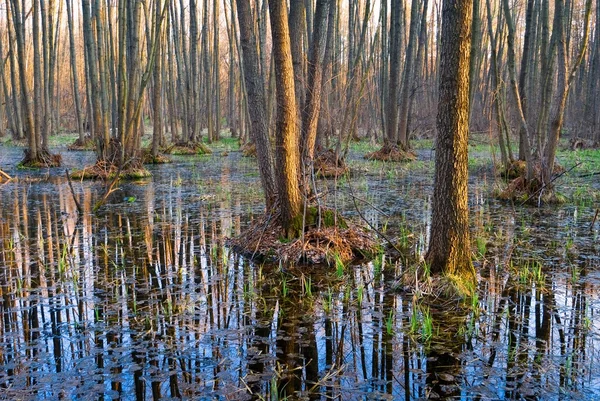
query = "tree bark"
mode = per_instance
[
  {"x": 257, "y": 106},
  {"x": 449, "y": 246},
  {"x": 310, "y": 114},
  {"x": 287, "y": 138}
]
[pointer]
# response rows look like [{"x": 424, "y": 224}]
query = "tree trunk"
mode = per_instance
[
  {"x": 157, "y": 123},
  {"x": 288, "y": 157},
  {"x": 257, "y": 106},
  {"x": 297, "y": 23},
  {"x": 74, "y": 75},
  {"x": 408, "y": 77},
  {"x": 564, "y": 82},
  {"x": 392, "y": 101},
  {"x": 310, "y": 114},
  {"x": 449, "y": 246},
  {"x": 524, "y": 130}
]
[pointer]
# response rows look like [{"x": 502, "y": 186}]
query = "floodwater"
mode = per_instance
[{"x": 144, "y": 301}]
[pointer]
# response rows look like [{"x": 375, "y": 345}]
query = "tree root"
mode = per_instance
[{"x": 44, "y": 159}]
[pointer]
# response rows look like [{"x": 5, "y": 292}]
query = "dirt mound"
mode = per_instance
[
  {"x": 392, "y": 153},
  {"x": 264, "y": 241},
  {"x": 86, "y": 144},
  {"x": 328, "y": 165},
  {"x": 248, "y": 149},
  {"x": 104, "y": 170},
  {"x": 147, "y": 158},
  {"x": 184, "y": 148}
]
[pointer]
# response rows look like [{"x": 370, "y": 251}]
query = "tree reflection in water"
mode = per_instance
[{"x": 144, "y": 301}]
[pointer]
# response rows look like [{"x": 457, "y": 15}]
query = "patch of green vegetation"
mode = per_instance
[
  {"x": 63, "y": 139},
  {"x": 315, "y": 216}
]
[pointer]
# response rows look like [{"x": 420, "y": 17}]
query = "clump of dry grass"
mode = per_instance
[
  {"x": 264, "y": 240},
  {"x": 392, "y": 153}
]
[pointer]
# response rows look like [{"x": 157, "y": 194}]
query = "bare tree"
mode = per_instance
[{"x": 449, "y": 246}]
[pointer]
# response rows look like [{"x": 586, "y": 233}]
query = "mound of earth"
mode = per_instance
[
  {"x": 264, "y": 241},
  {"x": 392, "y": 153}
]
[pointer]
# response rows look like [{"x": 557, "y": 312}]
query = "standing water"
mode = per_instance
[{"x": 143, "y": 300}]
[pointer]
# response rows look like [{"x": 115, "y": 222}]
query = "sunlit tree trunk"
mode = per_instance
[
  {"x": 449, "y": 245},
  {"x": 18, "y": 18},
  {"x": 297, "y": 22},
  {"x": 287, "y": 138},
  {"x": 216, "y": 76},
  {"x": 18, "y": 127}
]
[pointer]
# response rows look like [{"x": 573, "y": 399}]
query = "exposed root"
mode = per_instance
[
  {"x": 392, "y": 153},
  {"x": 264, "y": 241},
  {"x": 87, "y": 144},
  {"x": 328, "y": 165},
  {"x": 44, "y": 159},
  {"x": 104, "y": 170},
  {"x": 248, "y": 149},
  {"x": 185, "y": 148}
]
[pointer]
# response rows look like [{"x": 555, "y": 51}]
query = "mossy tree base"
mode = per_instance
[
  {"x": 87, "y": 144},
  {"x": 188, "y": 148},
  {"x": 103, "y": 170},
  {"x": 44, "y": 159},
  {"x": 321, "y": 239},
  {"x": 392, "y": 153}
]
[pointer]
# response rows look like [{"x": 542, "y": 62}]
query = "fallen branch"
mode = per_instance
[{"x": 6, "y": 176}]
